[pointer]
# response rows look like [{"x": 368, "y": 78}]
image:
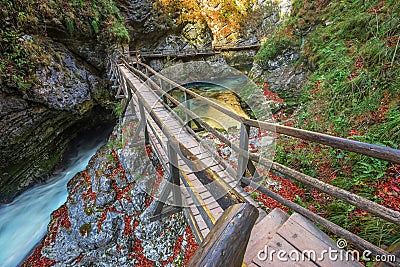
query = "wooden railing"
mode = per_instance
[
  {"x": 176, "y": 53},
  {"x": 227, "y": 241},
  {"x": 247, "y": 159},
  {"x": 173, "y": 148}
]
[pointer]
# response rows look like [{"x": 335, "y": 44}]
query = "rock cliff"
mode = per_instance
[{"x": 52, "y": 66}]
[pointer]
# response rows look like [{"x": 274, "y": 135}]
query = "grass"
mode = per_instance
[
  {"x": 351, "y": 52},
  {"x": 96, "y": 19}
]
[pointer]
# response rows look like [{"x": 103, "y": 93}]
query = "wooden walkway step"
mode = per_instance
[{"x": 280, "y": 240}]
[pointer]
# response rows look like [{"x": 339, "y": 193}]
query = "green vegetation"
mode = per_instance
[
  {"x": 352, "y": 51},
  {"x": 273, "y": 47},
  {"x": 85, "y": 229},
  {"x": 23, "y": 20}
]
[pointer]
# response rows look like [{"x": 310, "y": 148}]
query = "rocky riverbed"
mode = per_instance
[{"x": 105, "y": 220}]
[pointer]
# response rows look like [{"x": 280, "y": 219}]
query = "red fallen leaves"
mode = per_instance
[
  {"x": 61, "y": 216},
  {"x": 37, "y": 260},
  {"x": 59, "y": 219},
  {"x": 358, "y": 65},
  {"x": 128, "y": 229},
  {"x": 389, "y": 191},
  {"x": 287, "y": 190},
  {"x": 354, "y": 132},
  {"x": 270, "y": 95},
  {"x": 177, "y": 249},
  {"x": 122, "y": 193},
  {"x": 148, "y": 201},
  {"x": 379, "y": 115},
  {"x": 137, "y": 254},
  {"x": 149, "y": 152},
  {"x": 191, "y": 246},
  {"x": 80, "y": 257},
  {"x": 89, "y": 194},
  {"x": 392, "y": 40},
  {"x": 317, "y": 87},
  {"x": 119, "y": 169},
  {"x": 76, "y": 184},
  {"x": 86, "y": 177},
  {"x": 104, "y": 216}
]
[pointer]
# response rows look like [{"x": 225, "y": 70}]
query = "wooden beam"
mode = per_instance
[
  {"x": 226, "y": 243},
  {"x": 330, "y": 226},
  {"x": 243, "y": 145},
  {"x": 375, "y": 151}
]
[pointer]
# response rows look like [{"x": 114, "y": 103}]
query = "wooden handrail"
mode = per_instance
[
  {"x": 184, "y": 152},
  {"x": 330, "y": 226},
  {"x": 191, "y": 51},
  {"x": 358, "y": 201},
  {"x": 226, "y": 243},
  {"x": 372, "y": 150},
  {"x": 342, "y": 143}
]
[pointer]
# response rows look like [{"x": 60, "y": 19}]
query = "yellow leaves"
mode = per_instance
[{"x": 223, "y": 17}]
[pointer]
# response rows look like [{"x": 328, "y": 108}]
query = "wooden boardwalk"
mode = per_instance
[
  {"x": 189, "y": 53},
  {"x": 196, "y": 194},
  {"x": 208, "y": 186}
]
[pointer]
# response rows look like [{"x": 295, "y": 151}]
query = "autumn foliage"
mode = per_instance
[{"x": 223, "y": 17}]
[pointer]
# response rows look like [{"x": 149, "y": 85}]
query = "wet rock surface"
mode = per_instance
[
  {"x": 283, "y": 75},
  {"x": 106, "y": 218},
  {"x": 37, "y": 123}
]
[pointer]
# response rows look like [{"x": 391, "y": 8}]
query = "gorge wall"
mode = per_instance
[{"x": 52, "y": 65}]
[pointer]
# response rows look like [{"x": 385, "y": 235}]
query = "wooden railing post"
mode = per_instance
[
  {"x": 142, "y": 122},
  {"x": 244, "y": 147},
  {"x": 226, "y": 243},
  {"x": 187, "y": 105},
  {"x": 174, "y": 173},
  {"x": 172, "y": 185}
]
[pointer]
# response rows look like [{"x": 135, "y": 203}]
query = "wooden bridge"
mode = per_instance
[
  {"x": 190, "y": 53},
  {"x": 228, "y": 225}
]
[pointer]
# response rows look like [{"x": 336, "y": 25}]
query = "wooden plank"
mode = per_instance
[
  {"x": 263, "y": 232},
  {"x": 204, "y": 211},
  {"x": 217, "y": 212},
  {"x": 193, "y": 225},
  {"x": 280, "y": 253},
  {"x": 304, "y": 235},
  {"x": 376, "y": 151},
  {"x": 200, "y": 222},
  {"x": 330, "y": 226},
  {"x": 205, "y": 232},
  {"x": 225, "y": 245}
]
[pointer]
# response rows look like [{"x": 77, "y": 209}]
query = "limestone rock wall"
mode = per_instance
[{"x": 37, "y": 123}]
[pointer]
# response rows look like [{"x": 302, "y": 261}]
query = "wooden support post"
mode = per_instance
[
  {"x": 126, "y": 103},
  {"x": 226, "y": 243},
  {"x": 146, "y": 136},
  {"x": 174, "y": 174},
  {"x": 256, "y": 177},
  {"x": 142, "y": 122},
  {"x": 172, "y": 186},
  {"x": 244, "y": 147},
  {"x": 187, "y": 105}
]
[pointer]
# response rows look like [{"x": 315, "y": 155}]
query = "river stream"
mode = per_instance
[{"x": 23, "y": 222}]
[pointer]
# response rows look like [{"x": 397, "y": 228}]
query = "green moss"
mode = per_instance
[
  {"x": 351, "y": 50},
  {"x": 20, "y": 55},
  {"x": 274, "y": 46},
  {"x": 88, "y": 209},
  {"x": 70, "y": 26},
  {"x": 85, "y": 229}
]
